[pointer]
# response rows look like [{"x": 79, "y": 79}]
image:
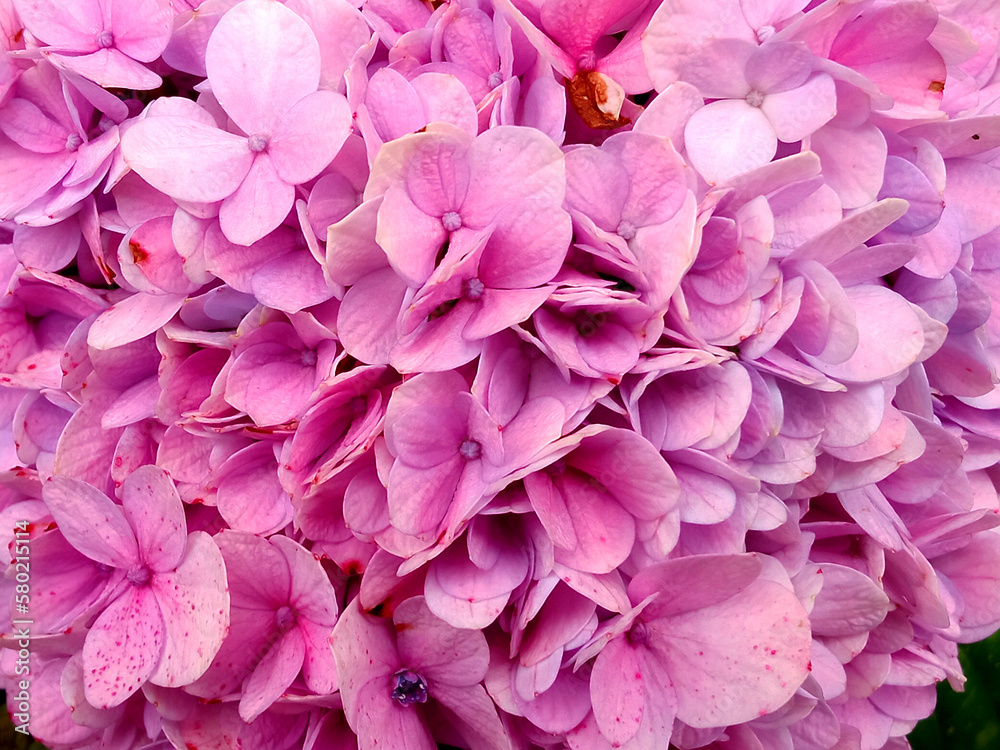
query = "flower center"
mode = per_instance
[
  {"x": 474, "y": 289},
  {"x": 451, "y": 221},
  {"x": 73, "y": 141},
  {"x": 409, "y": 688},
  {"x": 258, "y": 142},
  {"x": 308, "y": 357},
  {"x": 764, "y": 33},
  {"x": 470, "y": 450},
  {"x": 755, "y": 98},
  {"x": 494, "y": 80},
  {"x": 138, "y": 576},
  {"x": 626, "y": 230},
  {"x": 104, "y": 39},
  {"x": 638, "y": 633},
  {"x": 284, "y": 618}
]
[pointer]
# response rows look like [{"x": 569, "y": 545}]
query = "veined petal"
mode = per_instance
[
  {"x": 122, "y": 648},
  {"x": 261, "y": 59},
  {"x": 141, "y": 28},
  {"x": 72, "y": 25},
  {"x": 91, "y": 522},
  {"x": 727, "y": 138},
  {"x": 154, "y": 509},
  {"x": 110, "y": 68},
  {"x": 273, "y": 674},
  {"x": 309, "y": 136},
  {"x": 194, "y": 600},
  {"x": 259, "y": 205},
  {"x": 187, "y": 160}
]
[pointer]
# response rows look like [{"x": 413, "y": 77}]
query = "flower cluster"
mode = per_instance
[{"x": 498, "y": 374}]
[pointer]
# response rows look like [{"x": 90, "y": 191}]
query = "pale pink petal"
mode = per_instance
[
  {"x": 261, "y": 59},
  {"x": 91, "y": 522},
  {"x": 727, "y": 138},
  {"x": 109, "y": 68},
  {"x": 141, "y": 28},
  {"x": 507, "y": 163},
  {"x": 272, "y": 675},
  {"x": 259, "y": 205},
  {"x": 849, "y": 603},
  {"x": 445, "y": 99},
  {"x": 732, "y": 676},
  {"x": 308, "y": 137},
  {"x": 800, "y": 112},
  {"x": 890, "y": 337},
  {"x": 194, "y": 600},
  {"x": 154, "y": 510},
  {"x": 74, "y": 26},
  {"x": 185, "y": 159},
  {"x": 617, "y": 690},
  {"x": 853, "y": 161},
  {"x": 132, "y": 319},
  {"x": 29, "y": 127},
  {"x": 717, "y": 69},
  {"x": 123, "y": 648},
  {"x": 410, "y": 237}
]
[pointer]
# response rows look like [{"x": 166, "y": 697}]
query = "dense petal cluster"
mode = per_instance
[{"x": 496, "y": 374}]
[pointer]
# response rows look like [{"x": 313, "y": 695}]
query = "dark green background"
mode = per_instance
[{"x": 969, "y": 720}]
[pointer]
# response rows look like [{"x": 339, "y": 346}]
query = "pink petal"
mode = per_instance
[
  {"x": 154, "y": 510},
  {"x": 186, "y": 159},
  {"x": 800, "y": 112},
  {"x": 577, "y": 27},
  {"x": 91, "y": 522},
  {"x": 445, "y": 99},
  {"x": 29, "y": 127},
  {"x": 141, "y": 28},
  {"x": 467, "y": 596},
  {"x": 194, "y": 600},
  {"x": 410, "y": 237},
  {"x": 853, "y": 161},
  {"x": 309, "y": 136},
  {"x": 366, "y": 321},
  {"x": 591, "y": 531},
  {"x": 55, "y": 23},
  {"x": 849, "y": 603},
  {"x": 727, "y": 138},
  {"x": 617, "y": 690},
  {"x": 890, "y": 337},
  {"x": 109, "y": 68},
  {"x": 393, "y": 105},
  {"x": 507, "y": 163},
  {"x": 261, "y": 59},
  {"x": 435, "y": 649},
  {"x": 259, "y": 205},
  {"x": 273, "y": 674},
  {"x": 132, "y": 319},
  {"x": 123, "y": 647}
]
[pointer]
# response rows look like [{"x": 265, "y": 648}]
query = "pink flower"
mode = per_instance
[
  {"x": 172, "y": 608},
  {"x": 393, "y": 674},
  {"x": 103, "y": 41},
  {"x": 264, "y": 66}
]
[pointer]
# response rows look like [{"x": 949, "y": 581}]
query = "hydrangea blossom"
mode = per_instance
[{"x": 496, "y": 373}]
